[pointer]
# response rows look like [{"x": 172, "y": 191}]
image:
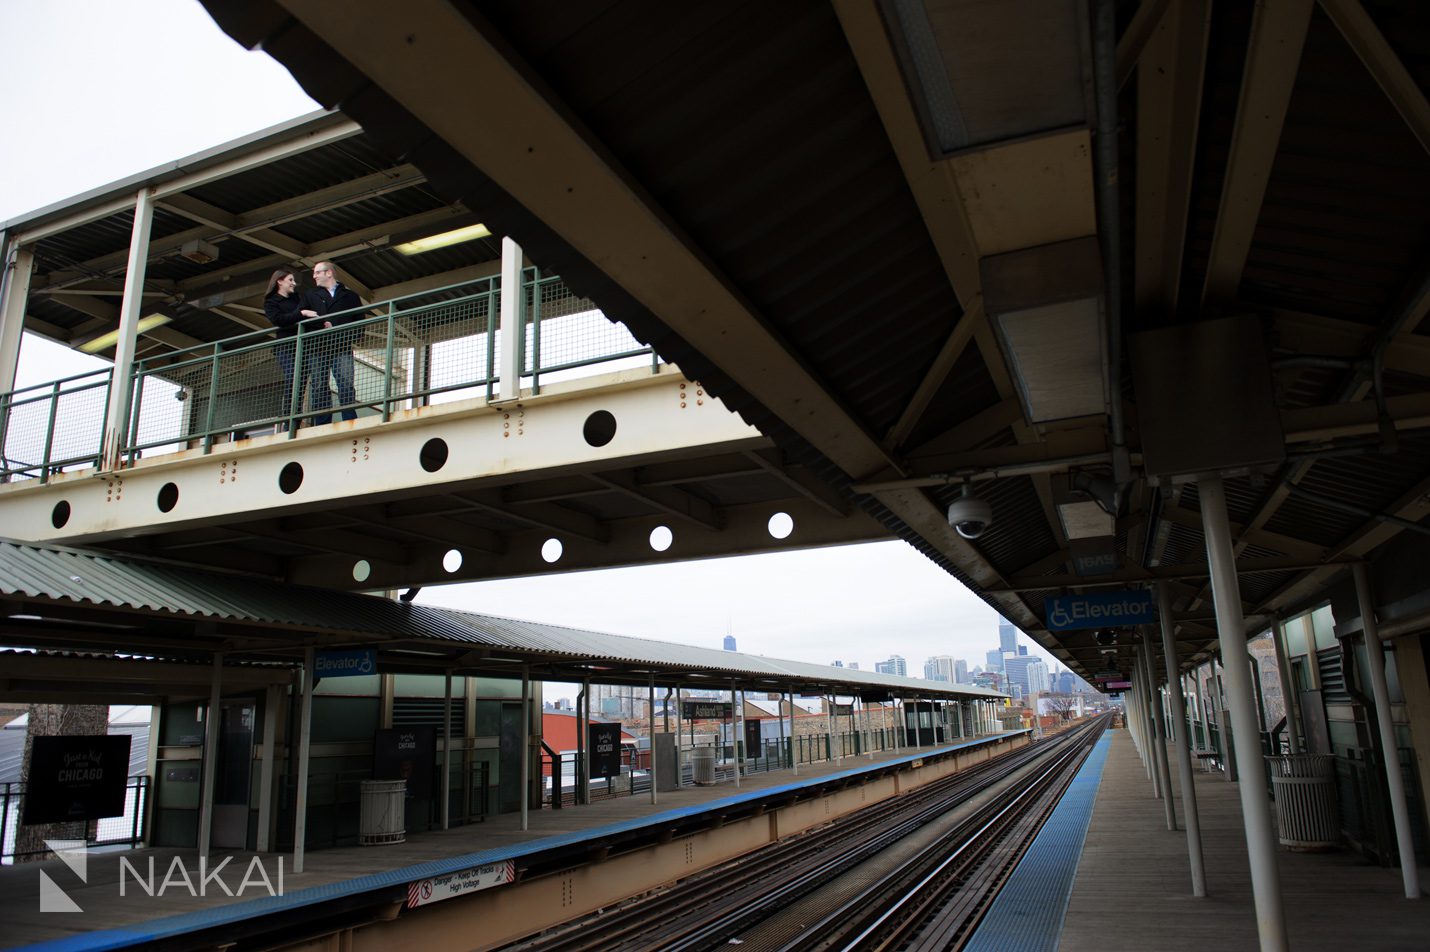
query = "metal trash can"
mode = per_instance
[
  {"x": 1305, "y": 788},
  {"x": 383, "y": 812},
  {"x": 702, "y": 764}
]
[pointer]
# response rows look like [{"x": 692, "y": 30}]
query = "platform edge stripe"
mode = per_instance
[{"x": 1028, "y": 915}]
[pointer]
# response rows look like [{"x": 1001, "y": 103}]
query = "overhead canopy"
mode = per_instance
[
  {"x": 913, "y": 262},
  {"x": 132, "y": 608}
]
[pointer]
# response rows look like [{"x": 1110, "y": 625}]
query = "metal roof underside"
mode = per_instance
[
  {"x": 760, "y": 134},
  {"x": 58, "y": 596}
]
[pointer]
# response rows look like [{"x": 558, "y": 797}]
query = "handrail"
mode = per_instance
[{"x": 403, "y": 352}]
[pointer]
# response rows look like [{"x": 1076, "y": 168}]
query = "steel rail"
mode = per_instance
[{"x": 707, "y": 908}]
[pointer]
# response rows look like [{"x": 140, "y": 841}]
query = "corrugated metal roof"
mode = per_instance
[{"x": 30, "y": 571}]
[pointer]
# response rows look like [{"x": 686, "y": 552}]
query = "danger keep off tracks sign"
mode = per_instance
[{"x": 426, "y": 891}]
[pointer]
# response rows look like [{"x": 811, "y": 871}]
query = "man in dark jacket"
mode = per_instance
[{"x": 333, "y": 352}]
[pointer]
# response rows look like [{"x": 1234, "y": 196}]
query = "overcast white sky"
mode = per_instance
[{"x": 99, "y": 90}]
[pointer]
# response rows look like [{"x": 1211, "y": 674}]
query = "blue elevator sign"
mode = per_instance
[
  {"x": 1103, "y": 610},
  {"x": 344, "y": 662}
]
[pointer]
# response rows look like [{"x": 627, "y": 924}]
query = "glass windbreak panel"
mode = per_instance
[
  {"x": 1324, "y": 624},
  {"x": 424, "y": 685},
  {"x": 362, "y": 685},
  {"x": 1301, "y": 674},
  {"x": 503, "y": 687},
  {"x": 1296, "y": 636}
]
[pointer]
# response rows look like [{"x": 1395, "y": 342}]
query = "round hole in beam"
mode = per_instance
[
  {"x": 551, "y": 550},
  {"x": 168, "y": 497},
  {"x": 433, "y": 455},
  {"x": 290, "y": 478},
  {"x": 452, "y": 561},
  {"x": 781, "y": 524},
  {"x": 362, "y": 570},
  {"x": 661, "y": 537},
  {"x": 60, "y": 515},
  {"x": 600, "y": 428}
]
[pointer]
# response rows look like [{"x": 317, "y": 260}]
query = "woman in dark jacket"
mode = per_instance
[{"x": 283, "y": 306}]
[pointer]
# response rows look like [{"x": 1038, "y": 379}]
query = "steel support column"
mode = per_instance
[
  {"x": 1231, "y": 632},
  {"x": 737, "y": 727},
  {"x": 305, "y": 734},
  {"x": 131, "y": 305},
  {"x": 1149, "y": 703},
  {"x": 651, "y": 713},
  {"x": 679, "y": 755},
  {"x": 513, "y": 331},
  {"x": 525, "y": 747},
  {"x": 1182, "y": 744},
  {"x": 1395, "y": 783},
  {"x": 211, "y": 741},
  {"x": 17, "y": 265},
  {"x": 1159, "y": 728},
  {"x": 793, "y": 741},
  {"x": 267, "y": 756},
  {"x": 447, "y": 752},
  {"x": 1288, "y": 689},
  {"x": 583, "y": 728}
]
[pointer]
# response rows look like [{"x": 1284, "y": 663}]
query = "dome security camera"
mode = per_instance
[{"x": 969, "y": 515}]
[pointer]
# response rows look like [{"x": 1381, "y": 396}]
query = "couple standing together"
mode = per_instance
[{"x": 328, "y": 354}]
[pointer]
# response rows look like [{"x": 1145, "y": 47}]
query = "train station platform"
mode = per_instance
[
  {"x": 1133, "y": 887},
  {"x": 368, "y": 887}
]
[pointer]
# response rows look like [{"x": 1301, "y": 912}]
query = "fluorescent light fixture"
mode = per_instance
[
  {"x": 1045, "y": 303},
  {"x": 446, "y": 239},
  {"x": 106, "y": 341},
  {"x": 1085, "y": 520}
]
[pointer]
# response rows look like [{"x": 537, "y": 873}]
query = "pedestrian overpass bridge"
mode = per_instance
[{"x": 600, "y": 455}]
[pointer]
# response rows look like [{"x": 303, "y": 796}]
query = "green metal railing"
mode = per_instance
[{"x": 397, "y": 355}]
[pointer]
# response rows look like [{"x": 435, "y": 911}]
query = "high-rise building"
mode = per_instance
[
  {"x": 941, "y": 668},
  {"x": 1007, "y": 636},
  {"x": 729, "y": 642},
  {"x": 995, "y": 660},
  {"x": 895, "y": 665},
  {"x": 853, "y": 666},
  {"x": 1028, "y": 673},
  {"x": 836, "y": 664},
  {"x": 960, "y": 671},
  {"x": 1022, "y": 649}
]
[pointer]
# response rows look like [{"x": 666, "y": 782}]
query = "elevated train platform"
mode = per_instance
[
  {"x": 565, "y": 862},
  {"x": 1132, "y": 889}
]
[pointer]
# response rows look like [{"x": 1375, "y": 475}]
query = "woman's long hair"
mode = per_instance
[{"x": 277, "y": 276}]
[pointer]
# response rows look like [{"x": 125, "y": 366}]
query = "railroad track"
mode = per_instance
[{"x": 881, "y": 878}]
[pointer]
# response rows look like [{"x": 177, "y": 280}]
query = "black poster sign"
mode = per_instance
[
  {"x": 753, "y": 746},
  {"x": 77, "y": 778},
  {"x": 875, "y": 697},
  {"x": 705, "y": 710},
  {"x": 406, "y": 753},
  {"x": 605, "y": 748}
]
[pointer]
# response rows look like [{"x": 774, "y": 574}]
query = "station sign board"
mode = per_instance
[
  {"x": 605, "y": 747},
  {"x": 406, "y": 753},
  {"x": 842, "y": 710},
  {"x": 344, "y": 662},
  {"x": 1118, "y": 685},
  {"x": 79, "y": 777},
  {"x": 1096, "y": 556},
  {"x": 424, "y": 892},
  {"x": 1101, "y": 610},
  {"x": 706, "y": 710}
]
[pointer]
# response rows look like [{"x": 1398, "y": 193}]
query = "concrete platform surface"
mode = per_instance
[{"x": 1133, "y": 887}]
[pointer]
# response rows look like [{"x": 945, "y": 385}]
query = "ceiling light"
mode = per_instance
[
  {"x": 1045, "y": 303},
  {"x": 447, "y": 238},
  {"x": 106, "y": 341},
  {"x": 1085, "y": 520}
]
